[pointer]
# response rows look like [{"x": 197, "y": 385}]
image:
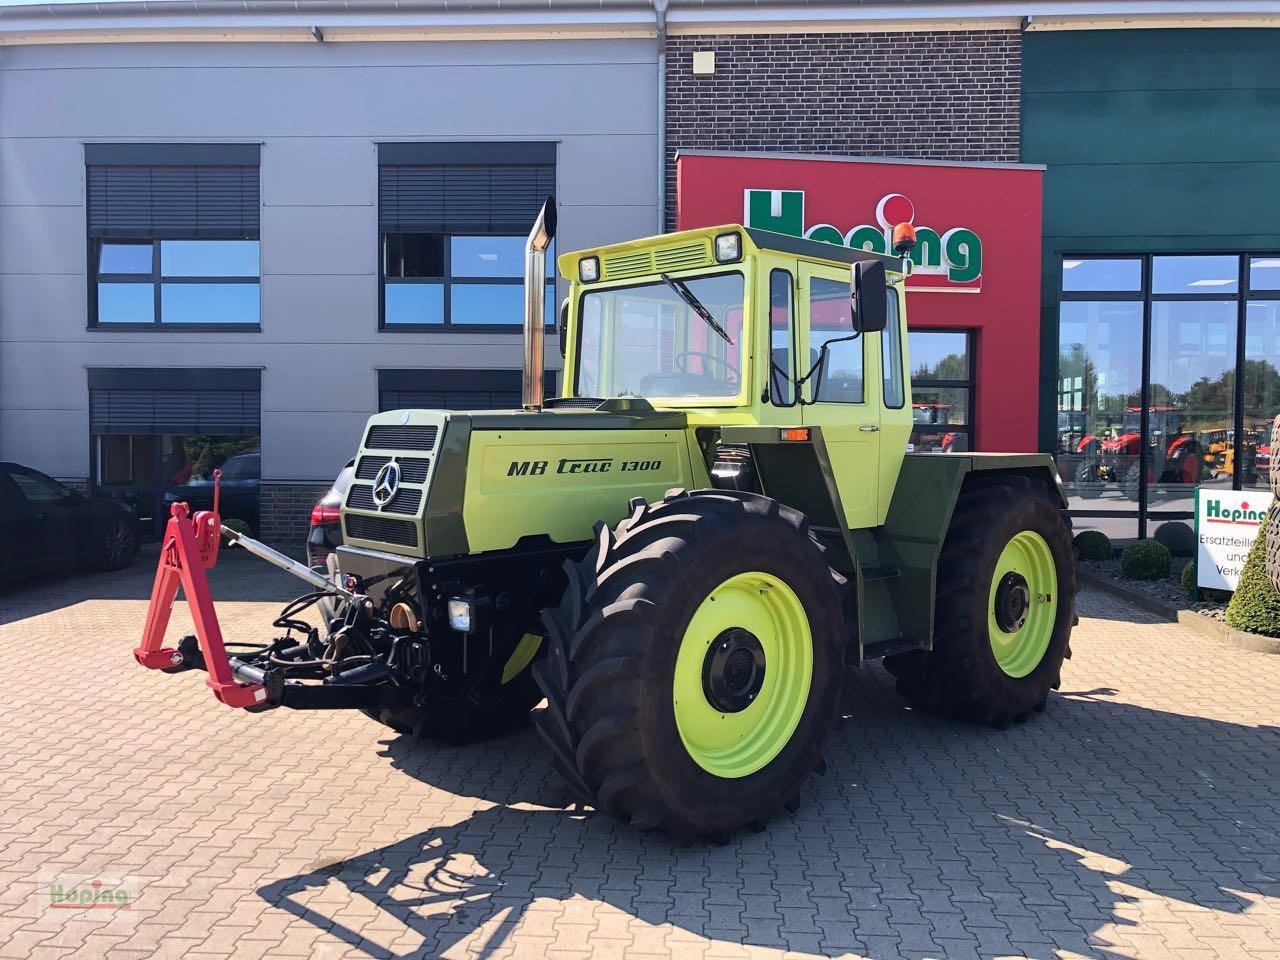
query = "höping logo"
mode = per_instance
[
  {"x": 955, "y": 254},
  {"x": 1215, "y": 512}
]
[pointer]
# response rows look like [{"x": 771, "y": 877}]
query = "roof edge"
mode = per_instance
[{"x": 898, "y": 161}]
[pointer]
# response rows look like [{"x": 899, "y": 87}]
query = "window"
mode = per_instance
[
  {"x": 831, "y": 319},
  {"x": 407, "y": 389},
  {"x": 645, "y": 341},
  {"x": 191, "y": 282},
  {"x": 941, "y": 390},
  {"x": 891, "y": 355},
  {"x": 173, "y": 235},
  {"x": 36, "y": 487},
  {"x": 158, "y": 433},
  {"x": 453, "y": 218},
  {"x": 782, "y": 374},
  {"x": 432, "y": 280},
  {"x": 1135, "y": 439}
]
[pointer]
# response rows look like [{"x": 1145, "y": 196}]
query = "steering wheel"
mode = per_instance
[{"x": 681, "y": 364}]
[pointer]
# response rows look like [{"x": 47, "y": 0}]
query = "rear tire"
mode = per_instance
[
  {"x": 695, "y": 665},
  {"x": 977, "y": 669},
  {"x": 1088, "y": 485}
]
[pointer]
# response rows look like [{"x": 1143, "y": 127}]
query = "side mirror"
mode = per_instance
[
  {"x": 564, "y": 326},
  {"x": 870, "y": 298}
]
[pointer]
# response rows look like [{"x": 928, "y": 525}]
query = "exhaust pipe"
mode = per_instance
[{"x": 535, "y": 300}]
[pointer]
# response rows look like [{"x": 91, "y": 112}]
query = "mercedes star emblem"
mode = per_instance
[{"x": 386, "y": 483}]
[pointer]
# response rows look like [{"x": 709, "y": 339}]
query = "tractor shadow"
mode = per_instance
[{"x": 925, "y": 838}]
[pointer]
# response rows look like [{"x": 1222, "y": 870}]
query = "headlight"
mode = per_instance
[
  {"x": 462, "y": 615},
  {"x": 589, "y": 269},
  {"x": 728, "y": 247}
]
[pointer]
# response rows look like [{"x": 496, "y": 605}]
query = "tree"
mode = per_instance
[{"x": 1255, "y": 606}]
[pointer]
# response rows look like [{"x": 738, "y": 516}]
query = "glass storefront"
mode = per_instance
[
  {"x": 941, "y": 390},
  {"x": 1167, "y": 379}
]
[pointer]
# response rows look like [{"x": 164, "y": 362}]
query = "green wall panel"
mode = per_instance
[
  {"x": 1148, "y": 59},
  {"x": 1152, "y": 126},
  {"x": 1155, "y": 141}
]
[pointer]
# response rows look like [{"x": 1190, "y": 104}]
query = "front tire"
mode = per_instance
[
  {"x": 1005, "y": 608},
  {"x": 695, "y": 665}
]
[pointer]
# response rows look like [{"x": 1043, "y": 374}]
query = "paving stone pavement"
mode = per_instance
[{"x": 1138, "y": 817}]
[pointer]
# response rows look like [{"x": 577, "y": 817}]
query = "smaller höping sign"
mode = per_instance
[{"x": 1227, "y": 523}]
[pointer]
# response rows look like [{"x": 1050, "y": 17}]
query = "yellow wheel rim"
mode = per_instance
[
  {"x": 734, "y": 717},
  {"x": 1022, "y": 605},
  {"x": 521, "y": 657}
]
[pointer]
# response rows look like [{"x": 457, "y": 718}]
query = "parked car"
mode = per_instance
[
  {"x": 45, "y": 526},
  {"x": 240, "y": 490},
  {"x": 325, "y": 534}
]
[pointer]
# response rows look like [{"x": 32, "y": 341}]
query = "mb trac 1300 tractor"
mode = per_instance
[{"x": 682, "y": 555}]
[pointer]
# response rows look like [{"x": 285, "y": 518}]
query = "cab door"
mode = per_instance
[{"x": 840, "y": 397}]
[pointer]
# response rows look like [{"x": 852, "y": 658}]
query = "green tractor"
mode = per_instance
[{"x": 685, "y": 552}]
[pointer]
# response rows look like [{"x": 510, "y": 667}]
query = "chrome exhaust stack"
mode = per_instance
[{"x": 535, "y": 300}]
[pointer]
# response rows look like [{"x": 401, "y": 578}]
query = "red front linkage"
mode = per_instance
[{"x": 190, "y": 547}]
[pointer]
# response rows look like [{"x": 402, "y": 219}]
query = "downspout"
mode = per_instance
[{"x": 660, "y": 20}]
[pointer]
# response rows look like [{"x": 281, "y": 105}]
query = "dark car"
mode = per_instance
[
  {"x": 325, "y": 534},
  {"x": 47, "y": 527},
  {"x": 240, "y": 490}
]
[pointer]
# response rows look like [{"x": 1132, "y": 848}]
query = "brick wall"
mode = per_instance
[
  {"x": 950, "y": 95},
  {"x": 285, "y": 515}
]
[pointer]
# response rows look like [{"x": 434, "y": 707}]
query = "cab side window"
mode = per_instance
[
  {"x": 891, "y": 356},
  {"x": 830, "y": 318},
  {"x": 782, "y": 373}
]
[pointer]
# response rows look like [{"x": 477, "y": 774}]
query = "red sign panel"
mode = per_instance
[{"x": 977, "y": 261}]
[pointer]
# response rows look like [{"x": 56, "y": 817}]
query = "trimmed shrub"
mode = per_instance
[
  {"x": 1255, "y": 607},
  {"x": 1146, "y": 560},
  {"x": 1204, "y": 593},
  {"x": 239, "y": 526},
  {"x": 1093, "y": 545},
  {"x": 1178, "y": 536},
  {"x": 1189, "y": 587}
]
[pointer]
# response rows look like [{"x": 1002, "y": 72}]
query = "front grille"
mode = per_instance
[
  {"x": 405, "y": 437},
  {"x": 412, "y": 469},
  {"x": 627, "y": 264},
  {"x": 360, "y": 497},
  {"x": 381, "y": 529},
  {"x": 368, "y": 467},
  {"x": 681, "y": 258}
]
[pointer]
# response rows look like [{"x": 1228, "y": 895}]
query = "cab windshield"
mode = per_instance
[{"x": 647, "y": 341}]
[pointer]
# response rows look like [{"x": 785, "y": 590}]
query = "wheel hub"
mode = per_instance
[
  {"x": 733, "y": 670},
  {"x": 1012, "y": 603}
]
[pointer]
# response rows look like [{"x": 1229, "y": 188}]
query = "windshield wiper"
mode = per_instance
[{"x": 685, "y": 294}]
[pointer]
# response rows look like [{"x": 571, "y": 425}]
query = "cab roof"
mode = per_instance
[{"x": 675, "y": 244}]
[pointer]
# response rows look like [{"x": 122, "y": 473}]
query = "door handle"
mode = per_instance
[{"x": 869, "y": 428}]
